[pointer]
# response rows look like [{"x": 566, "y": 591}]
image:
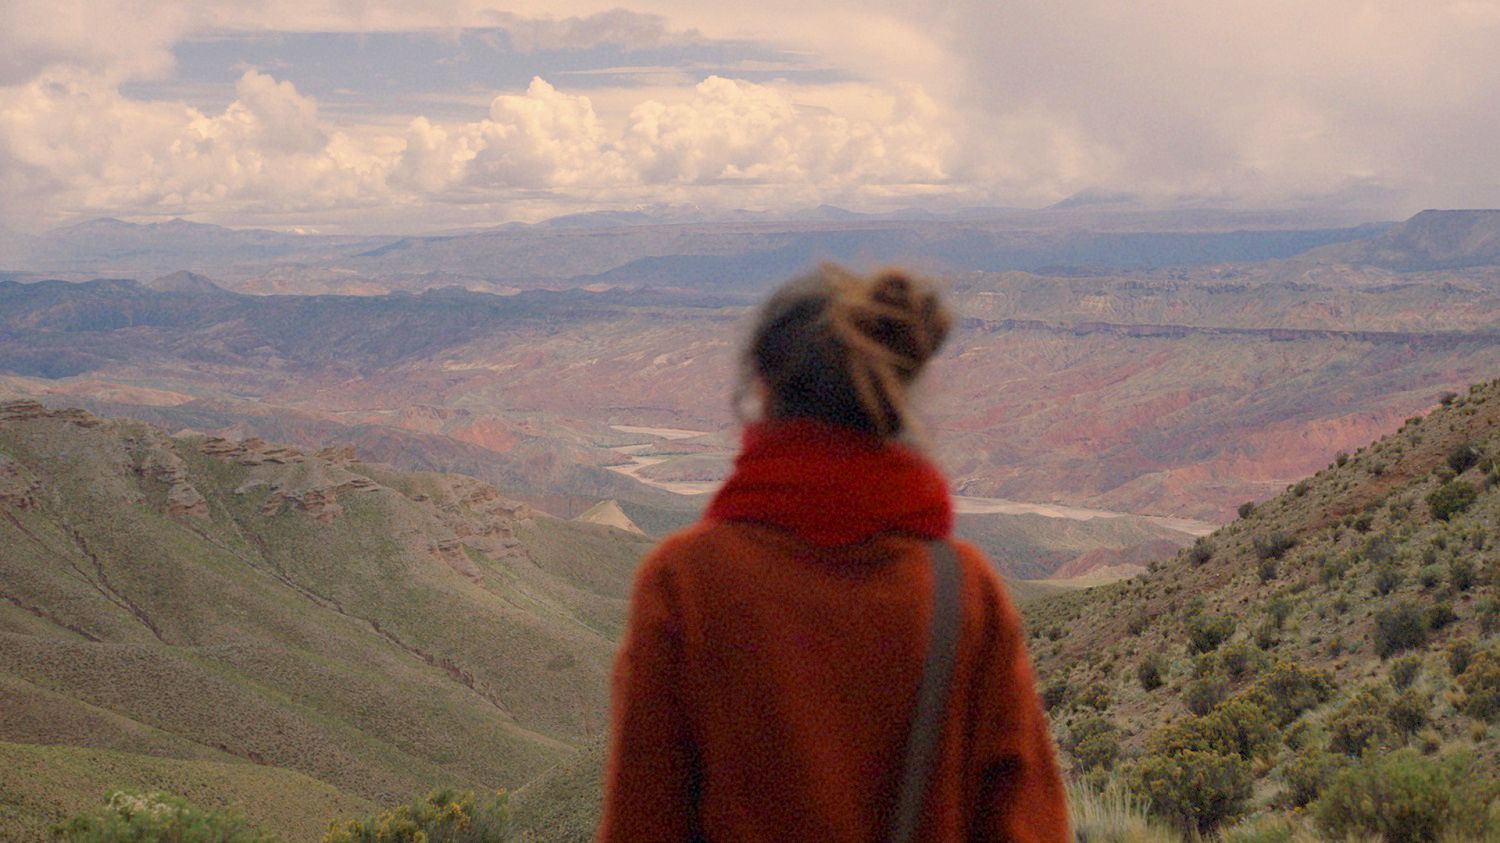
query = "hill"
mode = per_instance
[
  {"x": 1354, "y": 614},
  {"x": 235, "y": 607},
  {"x": 1431, "y": 240}
]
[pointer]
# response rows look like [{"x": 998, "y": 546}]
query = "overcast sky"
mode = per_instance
[{"x": 382, "y": 116}]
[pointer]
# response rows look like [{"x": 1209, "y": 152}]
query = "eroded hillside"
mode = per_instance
[
  {"x": 1352, "y": 615},
  {"x": 234, "y": 602}
]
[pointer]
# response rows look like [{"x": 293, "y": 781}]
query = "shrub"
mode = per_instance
[
  {"x": 1362, "y": 723},
  {"x": 1055, "y": 694},
  {"x": 1197, "y": 790},
  {"x": 1094, "y": 743},
  {"x": 1150, "y": 672},
  {"x": 1273, "y": 546},
  {"x": 1480, "y": 682},
  {"x": 1341, "y": 459},
  {"x": 1404, "y": 671},
  {"x": 1238, "y": 726},
  {"x": 130, "y": 817},
  {"x": 1378, "y": 549},
  {"x": 1279, "y": 609},
  {"x": 1207, "y": 632},
  {"x": 1430, "y": 576},
  {"x": 1242, "y": 659},
  {"x": 1095, "y": 696},
  {"x": 1332, "y": 569},
  {"x": 1460, "y": 652},
  {"x": 1406, "y": 798},
  {"x": 1463, "y": 458},
  {"x": 1387, "y": 578},
  {"x": 1246, "y": 509},
  {"x": 1440, "y": 615},
  {"x": 1201, "y": 551},
  {"x": 1306, "y": 774},
  {"x": 1266, "y": 570},
  {"x": 1267, "y": 635},
  {"x": 443, "y": 816},
  {"x": 1399, "y": 627},
  {"x": 1288, "y": 689},
  {"x": 1202, "y": 695},
  {"x": 1408, "y": 712},
  {"x": 1451, "y": 498}
]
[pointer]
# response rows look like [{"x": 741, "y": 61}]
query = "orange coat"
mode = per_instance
[{"x": 764, "y": 690}]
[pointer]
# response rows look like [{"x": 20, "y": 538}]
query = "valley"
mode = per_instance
[{"x": 362, "y": 540}]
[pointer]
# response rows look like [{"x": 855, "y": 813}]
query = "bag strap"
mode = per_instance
[{"x": 932, "y": 693}]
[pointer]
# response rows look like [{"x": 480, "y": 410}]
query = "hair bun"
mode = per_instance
[{"x": 914, "y": 323}]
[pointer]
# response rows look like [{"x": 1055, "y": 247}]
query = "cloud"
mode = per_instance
[
  {"x": 79, "y": 145},
  {"x": 1387, "y": 104},
  {"x": 620, "y": 27},
  {"x": 738, "y": 131}
]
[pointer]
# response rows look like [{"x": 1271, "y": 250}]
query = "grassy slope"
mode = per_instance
[
  {"x": 1097, "y": 638},
  {"x": 41, "y": 785},
  {"x": 325, "y": 648}
]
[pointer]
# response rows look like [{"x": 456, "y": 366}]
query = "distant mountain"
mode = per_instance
[
  {"x": 1429, "y": 241},
  {"x": 1355, "y": 613},
  {"x": 186, "y": 282},
  {"x": 241, "y": 605},
  {"x": 686, "y": 247}
]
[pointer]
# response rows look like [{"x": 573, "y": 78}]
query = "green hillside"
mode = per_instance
[
  {"x": 1270, "y": 674},
  {"x": 228, "y": 605}
]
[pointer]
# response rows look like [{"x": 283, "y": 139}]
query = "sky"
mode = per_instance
[{"x": 368, "y": 116}]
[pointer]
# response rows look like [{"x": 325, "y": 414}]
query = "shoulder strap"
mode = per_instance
[{"x": 937, "y": 668}]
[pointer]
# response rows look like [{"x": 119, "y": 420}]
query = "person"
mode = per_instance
[{"x": 766, "y": 682}]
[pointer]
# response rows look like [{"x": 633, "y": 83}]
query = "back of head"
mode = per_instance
[{"x": 845, "y": 349}]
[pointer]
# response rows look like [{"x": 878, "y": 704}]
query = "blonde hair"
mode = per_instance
[{"x": 845, "y": 348}]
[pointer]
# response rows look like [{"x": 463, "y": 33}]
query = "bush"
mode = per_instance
[
  {"x": 1362, "y": 723},
  {"x": 1387, "y": 578},
  {"x": 1440, "y": 615},
  {"x": 1406, "y": 798},
  {"x": 443, "y": 816},
  {"x": 1055, "y": 694},
  {"x": 1207, "y": 632},
  {"x": 1480, "y": 682},
  {"x": 1461, "y": 573},
  {"x": 1242, "y": 659},
  {"x": 1288, "y": 689},
  {"x": 1197, "y": 790},
  {"x": 132, "y": 817},
  {"x": 1332, "y": 569},
  {"x": 1463, "y": 458},
  {"x": 1460, "y": 652},
  {"x": 1267, "y": 570},
  {"x": 1150, "y": 672},
  {"x": 1094, "y": 743},
  {"x": 1246, "y": 509},
  {"x": 1306, "y": 774},
  {"x": 1201, "y": 551},
  {"x": 1408, "y": 712},
  {"x": 1202, "y": 695},
  {"x": 1430, "y": 576},
  {"x": 1450, "y": 499},
  {"x": 1095, "y": 696},
  {"x": 1239, "y": 726},
  {"x": 1399, "y": 627},
  {"x": 1273, "y": 546},
  {"x": 1279, "y": 609},
  {"x": 1404, "y": 671},
  {"x": 1341, "y": 459}
]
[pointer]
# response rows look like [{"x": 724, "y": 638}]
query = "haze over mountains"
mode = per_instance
[
  {"x": 1118, "y": 384},
  {"x": 669, "y": 247}
]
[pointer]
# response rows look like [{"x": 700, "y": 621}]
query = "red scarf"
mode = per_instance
[{"x": 832, "y": 485}]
